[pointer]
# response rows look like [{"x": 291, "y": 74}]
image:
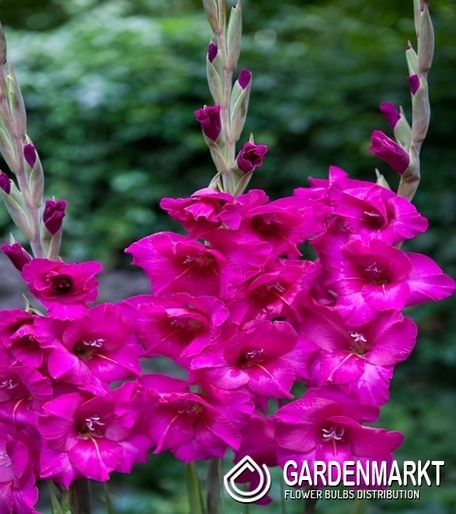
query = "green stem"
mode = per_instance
[
  {"x": 80, "y": 497},
  {"x": 195, "y": 496},
  {"x": 213, "y": 487}
]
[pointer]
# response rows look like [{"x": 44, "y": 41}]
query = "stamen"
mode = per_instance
[
  {"x": 334, "y": 433},
  {"x": 358, "y": 337},
  {"x": 373, "y": 268},
  {"x": 94, "y": 343},
  {"x": 93, "y": 420},
  {"x": 9, "y": 384}
]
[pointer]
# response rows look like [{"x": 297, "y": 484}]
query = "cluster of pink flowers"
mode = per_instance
[
  {"x": 242, "y": 314},
  {"x": 60, "y": 417},
  {"x": 235, "y": 305}
]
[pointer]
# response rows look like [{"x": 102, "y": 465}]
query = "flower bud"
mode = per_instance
[
  {"x": 30, "y": 155},
  {"x": 214, "y": 71},
  {"x": 234, "y": 35},
  {"x": 414, "y": 83},
  {"x": 250, "y": 157},
  {"x": 54, "y": 212},
  {"x": 240, "y": 96},
  {"x": 245, "y": 77},
  {"x": 390, "y": 112},
  {"x": 5, "y": 182},
  {"x": 211, "y": 8},
  {"x": 389, "y": 151},
  {"x": 212, "y": 51},
  {"x": 209, "y": 119},
  {"x": 412, "y": 59},
  {"x": 425, "y": 40},
  {"x": 17, "y": 255}
]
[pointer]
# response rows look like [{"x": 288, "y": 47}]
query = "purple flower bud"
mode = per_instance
[
  {"x": 414, "y": 83},
  {"x": 30, "y": 155},
  {"x": 53, "y": 215},
  {"x": 209, "y": 119},
  {"x": 250, "y": 157},
  {"x": 212, "y": 51},
  {"x": 390, "y": 112},
  {"x": 17, "y": 255},
  {"x": 5, "y": 183},
  {"x": 388, "y": 150},
  {"x": 245, "y": 77}
]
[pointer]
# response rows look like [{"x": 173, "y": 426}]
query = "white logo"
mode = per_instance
[{"x": 247, "y": 463}]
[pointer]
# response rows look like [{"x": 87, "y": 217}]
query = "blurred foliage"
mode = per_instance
[{"x": 111, "y": 87}]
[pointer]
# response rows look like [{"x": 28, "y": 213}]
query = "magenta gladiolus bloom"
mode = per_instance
[
  {"x": 97, "y": 348},
  {"x": 200, "y": 212},
  {"x": 65, "y": 289},
  {"x": 325, "y": 429},
  {"x": 284, "y": 223},
  {"x": 90, "y": 436},
  {"x": 18, "y": 470},
  {"x": 375, "y": 212},
  {"x": 177, "y": 327},
  {"x": 175, "y": 263},
  {"x": 193, "y": 426},
  {"x": 22, "y": 391},
  {"x": 254, "y": 360},
  {"x": 359, "y": 360},
  {"x": 209, "y": 119},
  {"x": 375, "y": 276},
  {"x": 389, "y": 151}
]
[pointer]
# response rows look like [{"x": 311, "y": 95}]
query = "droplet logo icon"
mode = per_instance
[{"x": 264, "y": 483}]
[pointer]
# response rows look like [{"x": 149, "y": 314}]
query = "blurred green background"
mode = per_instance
[{"x": 111, "y": 87}]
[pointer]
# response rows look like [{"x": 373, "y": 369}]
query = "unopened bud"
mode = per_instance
[
  {"x": 209, "y": 119},
  {"x": 245, "y": 77},
  {"x": 30, "y": 155},
  {"x": 389, "y": 151},
  {"x": 211, "y": 9},
  {"x": 425, "y": 41},
  {"x": 212, "y": 51},
  {"x": 414, "y": 83},
  {"x": 240, "y": 96},
  {"x": 412, "y": 60},
  {"x": 234, "y": 35},
  {"x": 214, "y": 72},
  {"x": 54, "y": 212},
  {"x": 391, "y": 113},
  {"x": 250, "y": 157},
  {"x": 5, "y": 183},
  {"x": 17, "y": 255}
]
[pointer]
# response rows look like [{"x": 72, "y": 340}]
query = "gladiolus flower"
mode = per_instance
[{"x": 65, "y": 289}]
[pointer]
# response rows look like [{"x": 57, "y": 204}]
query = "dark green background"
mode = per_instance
[{"x": 111, "y": 87}]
